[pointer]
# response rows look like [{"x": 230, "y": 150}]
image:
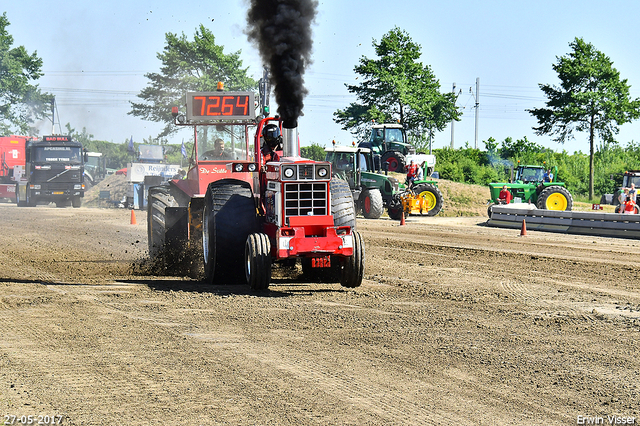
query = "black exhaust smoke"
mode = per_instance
[{"x": 281, "y": 29}]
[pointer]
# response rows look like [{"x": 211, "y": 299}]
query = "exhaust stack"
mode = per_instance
[{"x": 290, "y": 139}]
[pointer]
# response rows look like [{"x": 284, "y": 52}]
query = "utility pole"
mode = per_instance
[
  {"x": 456, "y": 100},
  {"x": 453, "y": 121},
  {"x": 53, "y": 115},
  {"x": 477, "y": 99}
]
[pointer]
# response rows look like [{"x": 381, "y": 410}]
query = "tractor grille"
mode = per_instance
[{"x": 302, "y": 199}]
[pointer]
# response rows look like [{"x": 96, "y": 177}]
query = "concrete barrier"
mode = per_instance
[{"x": 567, "y": 222}]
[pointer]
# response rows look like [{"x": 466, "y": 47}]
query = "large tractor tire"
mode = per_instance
[
  {"x": 353, "y": 267},
  {"x": 395, "y": 161},
  {"x": 229, "y": 217},
  {"x": 158, "y": 199},
  {"x": 257, "y": 252},
  {"x": 371, "y": 203},
  {"x": 431, "y": 195},
  {"x": 342, "y": 206},
  {"x": 555, "y": 198}
]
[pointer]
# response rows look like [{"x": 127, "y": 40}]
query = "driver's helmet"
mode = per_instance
[{"x": 271, "y": 134}]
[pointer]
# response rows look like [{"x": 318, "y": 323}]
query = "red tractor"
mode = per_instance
[{"x": 242, "y": 206}]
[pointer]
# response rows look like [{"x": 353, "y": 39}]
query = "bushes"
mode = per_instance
[{"x": 473, "y": 166}]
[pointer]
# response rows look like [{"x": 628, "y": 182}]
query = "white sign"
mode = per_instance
[{"x": 137, "y": 171}]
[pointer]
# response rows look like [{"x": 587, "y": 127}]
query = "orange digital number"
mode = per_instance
[
  {"x": 213, "y": 108},
  {"x": 227, "y": 107},
  {"x": 203, "y": 99},
  {"x": 244, "y": 106}
]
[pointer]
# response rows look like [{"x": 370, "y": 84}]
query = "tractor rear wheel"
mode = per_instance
[
  {"x": 555, "y": 198},
  {"x": 432, "y": 197},
  {"x": 342, "y": 206},
  {"x": 158, "y": 199},
  {"x": 229, "y": 218},
  {"x": 395, "y": 161},
  {"x": 371, "y": 203},
  {"x": 353, "y": 267},
  {"x": 257, "y": 252}
]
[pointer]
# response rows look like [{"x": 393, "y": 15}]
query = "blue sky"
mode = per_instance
[{"x": 96, "y": 54}]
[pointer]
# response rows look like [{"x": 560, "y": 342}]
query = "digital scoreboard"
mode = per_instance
[{"x": 215, "y": 106}]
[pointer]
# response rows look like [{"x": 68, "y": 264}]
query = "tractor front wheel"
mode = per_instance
[
  {"x": 257, "y": 253},
  {"x": 353, "y": 267},
  {"x": 432, "y": 197},
  {"x": 371, "y": 203},
  {"x": 555, "y": 198}
]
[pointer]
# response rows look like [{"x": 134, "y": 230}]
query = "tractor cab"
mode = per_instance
[
  {"x": 388, "y": 137},
  {"x": 530, "y": 174}
]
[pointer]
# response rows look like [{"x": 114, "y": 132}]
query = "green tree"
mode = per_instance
[
  {"x": 396, "y": 87},
  {"x": 196, "y": 65},
  {"x": 21, "y": 102},
  {"x": 83, "y": 137},
  {"x": 591, "y": 97},
  {"x": 313, "y": 152}
]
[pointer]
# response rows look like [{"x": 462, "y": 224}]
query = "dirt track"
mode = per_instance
[{"x": 455, "y": 323}]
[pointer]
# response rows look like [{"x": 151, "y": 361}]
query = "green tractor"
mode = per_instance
[
  {"x": 532, "y": 186},
  {"x": 389, "y": 145},
  {"x": 371, "y": 191}
]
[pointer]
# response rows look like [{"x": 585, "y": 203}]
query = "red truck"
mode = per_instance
[{"x": 12, "y": 162}]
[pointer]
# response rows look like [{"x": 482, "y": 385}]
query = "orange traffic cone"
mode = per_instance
[
  {"x": 402, "y": 219},
  {"x": 133, "y": 217},
  {"x": 523, "y": 230}
]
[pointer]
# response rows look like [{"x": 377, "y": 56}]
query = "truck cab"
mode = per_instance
[{"x": 54, "y": 172}]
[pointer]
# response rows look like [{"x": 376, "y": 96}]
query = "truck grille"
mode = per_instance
[
  {"x": 302, "y": 199},
  {"x": 51, "y": 176}
]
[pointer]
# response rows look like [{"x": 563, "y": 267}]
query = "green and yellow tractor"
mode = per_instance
[{"x": 533, "y": 185}]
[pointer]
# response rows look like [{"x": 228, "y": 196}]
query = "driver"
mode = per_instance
[
  {"x": 272, "y": 140},
  {"x": 218, "y": 152}
]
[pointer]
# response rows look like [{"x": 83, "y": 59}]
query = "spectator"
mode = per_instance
[
  {"x": 622, "y": 198},
  {"x": 412, "y": 172},
  {"x": 420, "y": 174},
  {"x": 505, "y": 196},
  {"x": 629, "y": 207},
  {"x": 633, "y": 192}
]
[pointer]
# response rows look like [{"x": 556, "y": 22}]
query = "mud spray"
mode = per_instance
[{"x": 281, "y": 30}]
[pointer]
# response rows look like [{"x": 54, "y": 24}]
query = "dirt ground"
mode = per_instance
[{"x": 455, "y": 323}]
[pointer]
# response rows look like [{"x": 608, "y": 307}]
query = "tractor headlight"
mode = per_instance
[
  {"x": 288, "y": 172},
  {"x": 322, "y": 172},
  {"x": 238, "y": 167},
  {"x": 252, "y": 167}
]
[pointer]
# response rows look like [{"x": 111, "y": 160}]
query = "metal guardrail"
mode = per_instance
[{"x": 568, "y": 222}]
